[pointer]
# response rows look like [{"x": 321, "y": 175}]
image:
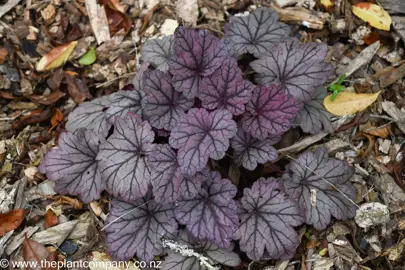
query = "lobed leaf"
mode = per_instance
[
  {"x": 124, "y": 102},
  {"x": 137, "y": 228},
  {"x": 298, "y": 68},
  {"x": 249, "y": 151},
  {"x": 314, "y": 117},
  {"x": 175, "y": 261},
  {"x": 200, "y": 135},
  {"x": 256, "y": 33},
  {"x": 90, "y": 115},
  {"x": 226, "y": 89},
  {"x": 269, "y": 112},
  {"x": 158, "y": 52},
  {"x": 196, "y": 54},
  {"x": 313, "y": 179},
  {"x": 168, "y": 182},
  {"x": 123, "y": 158},
  {"x": 164, "y": 106},
  {"x": 73, "y": 166},
  {"x": 267, "y": 219},
  {"x": 212, "y": 214}
]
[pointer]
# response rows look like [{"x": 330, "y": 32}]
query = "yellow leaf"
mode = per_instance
[
  {"x": 327, "y": 4},
  {"x": 375, "y": 15},
  {"x": 349, "y": 103},
  {"x": 56, "y": 57}
]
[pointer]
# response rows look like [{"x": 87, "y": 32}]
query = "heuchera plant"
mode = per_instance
[{"x": 153, "y": 148}]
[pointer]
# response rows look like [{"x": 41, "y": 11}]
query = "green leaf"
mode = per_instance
[
  {"x": 89, "y": 58},
  {"x": 341, "y": 79},
  {"x": 334, "y": 95}
]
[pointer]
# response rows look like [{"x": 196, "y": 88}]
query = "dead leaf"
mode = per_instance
[
  {"x": 35, "y": 252},
  {"x": 57, "y": 118},
  {"x": 50, "y": 219},
  {"x": 56, "y": 57},
  {"x": 49, "y": 99},
  {"x": 349, "y": 103},
  {"x": 11, "y": 220},
  {"x": 55, "y": 79},
  {"x": 7, "y": 95},
  {"x": 98, "y": 20},
  {"x": 32, "y": 118},
  {"x": 71, "y": 201},
  {"x": 187, "y": 10},
  {"x": 375, "y": 15},
  {"x": 117, "y": 20},
  {"x": 390, "y": 75},
  {"x": 3, "y": 55},
  {"x": 327, "y": 4},
  {"x": 382, "y": 132},
  {"x": 77, "y": 88}
]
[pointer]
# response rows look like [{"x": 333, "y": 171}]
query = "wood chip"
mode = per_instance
[
  {"x": 391, "y": 109},
  {"x": 19, "y": 238},
  {"x": 8, "y": 6},
  {"x": 54, "y": 234},
  {"x": 98, "y": 20},
  {"x": 362, "y": 59},
  {"x": 302, "y": 16},
  {"x": 304, "y": 143}
]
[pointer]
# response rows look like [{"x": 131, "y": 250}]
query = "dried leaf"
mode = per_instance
[
  {"x": 11, "y": 220},
  {"x": 56, "y": 57},
  {"x": 57, "y": 118},
  {"x": 50, "y": 219},
  {"x": 77, "y": 88},
  {"x": 117, "y": 20},
  {"x": 349, "y": 103},
  {"x": 3, "y": 55},
  {"x": 34, "y": 117},
  {"x": 327, "y": 4},
  {"x": 375, "y": 15},
  {"x": 49, "y": 99},
  {"x": 34, "y": 253}
]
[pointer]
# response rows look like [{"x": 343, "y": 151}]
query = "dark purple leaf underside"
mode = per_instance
[
  {"x": 309, "y": 180},
  {"x": 267, "y": 219},
  {"x": 314, "y": 117},
  {"x": 123, "y": 102},
  {"x": 226, "y": 89},
  {"x": 200, "y": 135},
  {"x": 248, "y": 151},
  {"x": 270, "y": 112},
  {"x": 137, "y": 229},
  {"x": 164, "y": 106},
  {"x": 73, "y": 166},
  {"x": 196, "y": 54},
  {"x": 158, "y": 52},
  {"x": 90, "y": 115},
  {"x": 256, "y": 33},
  {"x": 123, "y": 158},
  {"x": 211, "y": 215},
  {"x": 298, "y": 68},
  {"x": 168, "y": 182}
]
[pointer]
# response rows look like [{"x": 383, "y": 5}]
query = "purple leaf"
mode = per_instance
[
  {"x": 158, "y": 52},
  {"x": 168, "y": 182},
  {"x": 73, "y": 166},
  {"x": 164, "y": 106},
  {"x": 269, "y": 112},
  {"x": 138, "y": 79},
  {"x": 314, "y": 117},
  {"x": 257, "y": 32},
  {"x": 249, "y": 151},
  {"x": 196, "y": 54},
  {"x": 123, "y": 102},
  {"x": 90, "y": 115},
  {"x": 226, "y": 89},
  {"x": 314, "y": 180},
  {"x": 175, "y": 261},
  {"x": 212, "y": 214},
  {"x": 137, "y": 229},
  {"x": 123, "y": 158},
  {"x": 200, "y": 135},
  {"x": 267, "y": 219},
  {"x": 298, "y": 68}
]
